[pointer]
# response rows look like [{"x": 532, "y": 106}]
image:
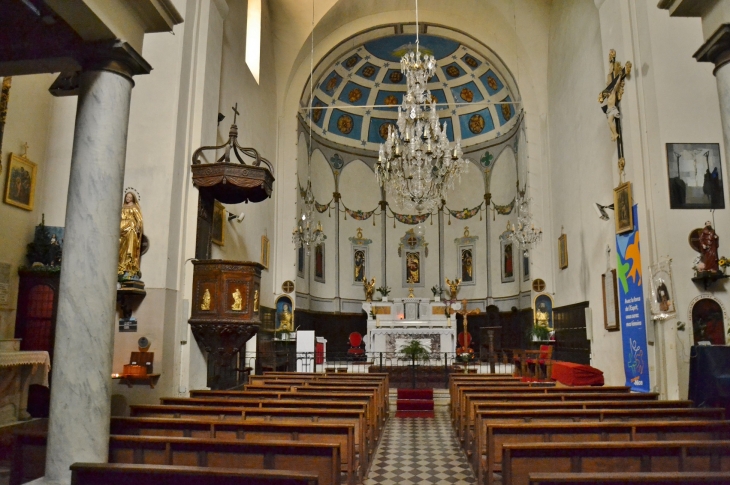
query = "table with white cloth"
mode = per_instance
[{"x": 18, "y": 371}]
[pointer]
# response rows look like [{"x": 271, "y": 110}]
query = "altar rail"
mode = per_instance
[{"x": 404, "y": 371}]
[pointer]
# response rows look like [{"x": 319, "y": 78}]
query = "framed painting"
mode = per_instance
[
  {"x": 526, "y": 266},
  {"x": 218, "y": 233},
  {"x": 319, "y": 263},
  {"x": 265, "y": 251},
  {"x": 300, "y": 261},
  {"x": 623, "y": 208},
  {"x": 20, "y": 186},
  {"x": 695, "y": 176},
  {"x": 359, "y": 264},
  {"x": 507, "y": 261},
  {"x": 563, "y": 251},
  {"x": 467, "y": 265},
  {"x": 611, "y": 320}
]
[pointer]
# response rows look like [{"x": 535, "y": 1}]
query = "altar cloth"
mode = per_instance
[{"x": 571, "y": 374}]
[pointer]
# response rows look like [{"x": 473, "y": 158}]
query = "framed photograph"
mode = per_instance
[
  {"x": 563, "y": 251},
  {"x": 507, "y": 261},
  {"x": 218, "y": 233},
  {"x": 695, "y": 176},
  {"x": 20, "y": 186},
  {"x": 623, "y": 208},
  {"x": 319, "y": 263},
  {"x": 611, "y": 320},
  {"x": 265, "y": 250}
]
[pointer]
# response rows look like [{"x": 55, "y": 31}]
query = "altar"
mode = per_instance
[
  {"x": 18, "y": 370},
  {"x": 392, "y": 325}
]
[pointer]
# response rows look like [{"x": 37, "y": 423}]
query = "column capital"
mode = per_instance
[{"x": 716, "y": 49}]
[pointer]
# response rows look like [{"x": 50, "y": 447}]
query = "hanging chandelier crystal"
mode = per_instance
[
  {"x": 305, "y": 234},
  {"x": 416, "y": 163},
  {"x": 524, "y": 232}
]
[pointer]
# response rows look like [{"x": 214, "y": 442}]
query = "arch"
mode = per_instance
[
  {"x": 359, "y": 189},
  {"x": 708, "y": 318},
  {"x": 503, "y": 179}
]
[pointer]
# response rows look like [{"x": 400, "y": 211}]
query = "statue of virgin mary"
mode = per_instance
[{"x": 130, "y": 238}]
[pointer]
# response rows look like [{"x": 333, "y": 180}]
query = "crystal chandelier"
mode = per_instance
[
  {"x": 524, "y": 233},
  {"x": 305, "y": 234},
  {"x": 416, "y": 163}
]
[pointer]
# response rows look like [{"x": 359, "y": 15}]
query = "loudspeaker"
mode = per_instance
[{"x": 589, "y": 324}]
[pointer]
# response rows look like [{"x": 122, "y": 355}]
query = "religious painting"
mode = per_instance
[
  {"x": 563, "y": 251},
  {"x": 543, "y": 306},
  {"x": 507, "y": 261},
  {"x": 300, "y": 262},
  {"x": 284, "y": 316},
  {"x": 662, "y": 290},
  {"x": 319, "y": 263},
  {"x": 525, "y": 266},
  {"x": 265, "y": 251},
  {"x": 708, "y": 322},
  {"x": 695, "y": 176},
  {"x": 467, "y": 264},
  {"x": 218, "y": 233},
  {"x": 20, "y": 187},
  {"x": 623, "y": 208},
  {"x": 611, "y": 321},
  {"x": 359, "y": 261},
  {"x": 413, "y": 267}
]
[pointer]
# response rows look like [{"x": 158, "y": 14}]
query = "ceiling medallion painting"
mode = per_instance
[
  {"x": 396, "y": 77},
  {"x": 354, "y": 95},
  {"x": 467, "y": 95},
  {"x": 368, "y": 71},
  {"x": 492, "y": 82},
  {"x": 345, "y": 124},
  {"x": 350, "y": 62},
  {"x": 452, "y": 71},
  {"x": 471, "y": 62},
  {"x": 476, "y": 124},
  {"x": 383, "y": 130},
  {"x": 391, "y": 100},
  {"x": 506, "y": 112}
]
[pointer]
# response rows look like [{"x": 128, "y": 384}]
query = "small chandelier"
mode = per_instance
[
  {"x": 524, "y": 232},
  {"x": 416, "y": 163},
  {"x": 305, "y": 234}
]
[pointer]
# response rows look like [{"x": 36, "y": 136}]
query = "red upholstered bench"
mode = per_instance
[{"x": 571, "y": 374}]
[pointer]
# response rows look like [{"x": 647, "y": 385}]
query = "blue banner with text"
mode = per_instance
[{"x": 631, "y": 308}]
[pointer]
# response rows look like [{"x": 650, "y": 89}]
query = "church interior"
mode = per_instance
[{"x": 385, "y": 242}]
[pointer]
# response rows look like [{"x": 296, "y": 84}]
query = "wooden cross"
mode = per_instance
[
  {"x": 465, "y": 314},
  {"x": 412, "y": 241},
  {"x": 288, "y": 286},
  {"x": 235, "y": 113}
]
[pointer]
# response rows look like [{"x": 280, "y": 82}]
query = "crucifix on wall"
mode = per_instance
[{"x": 610, "y": 100}]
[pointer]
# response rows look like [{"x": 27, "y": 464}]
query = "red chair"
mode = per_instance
[
  {"x": 464, "y": 344},
  {"x": 356, "y": 352},
  {"x": 543, "y": 359}
]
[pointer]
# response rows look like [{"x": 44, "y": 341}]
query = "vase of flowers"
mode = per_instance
[
  {"x": 436, "y": 290},
  {"x": 384, "y": 292}
]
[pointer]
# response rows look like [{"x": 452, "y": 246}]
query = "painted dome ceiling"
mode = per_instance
[{"x": 359, "y": 88}]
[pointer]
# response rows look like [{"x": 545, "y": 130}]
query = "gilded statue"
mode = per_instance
[
  {"x": 130, "y": 238},
  {"x": 542, "y": 317},
  {"x": 205, "y": 304},
  {"x": 256, "y": 301},
  {"x": 237, "y": 301},
  {"x": 709, "y": 244},
  {"x": 286, "y": 321},
  {"x": 369, "y": 288},
  {"x": 611, "y": 96},
  {"x": 453, "y": 287}
]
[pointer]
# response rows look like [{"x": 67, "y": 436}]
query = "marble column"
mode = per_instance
[{"x": 82, "y": 367}]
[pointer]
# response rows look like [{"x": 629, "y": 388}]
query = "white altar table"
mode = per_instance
[{"x": 18, "y": 370}]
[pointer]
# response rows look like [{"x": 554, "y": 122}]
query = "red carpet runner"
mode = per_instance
[{"x": 414, "y": 403}]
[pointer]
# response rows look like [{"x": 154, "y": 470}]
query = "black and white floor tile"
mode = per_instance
[{"x": 420, "y": 451}]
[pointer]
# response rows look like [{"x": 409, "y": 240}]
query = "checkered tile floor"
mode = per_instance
[{"x": 419, "y": 451}]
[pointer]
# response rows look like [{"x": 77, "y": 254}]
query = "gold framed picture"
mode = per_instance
[
  {"x": 265, "y": 251},
  {"x": 20, "y": 186},
  {"x": 218, "y": 232},
  {"x": 563, "y": 251},
  {"x": 623, "y": 208}
]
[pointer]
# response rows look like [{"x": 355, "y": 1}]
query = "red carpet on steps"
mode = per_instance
[{"x": 414, "y": 403}]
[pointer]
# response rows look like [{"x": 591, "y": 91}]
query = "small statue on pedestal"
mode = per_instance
[
  {"x": 130, "y": 238},
  {"x": 709, "y": 243},
  {"x": 453, "y": 287},
  {"x": 369, "y": 288}
]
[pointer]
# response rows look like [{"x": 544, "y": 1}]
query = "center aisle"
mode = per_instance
[{"x": 419, "y": 450}]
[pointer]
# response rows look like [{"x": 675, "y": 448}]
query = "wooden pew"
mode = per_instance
[
  {"x": 123, "y": 474},
  {"x": 674, "y": 478},
  {"x": 519, "y": 460},
  {"x": 455, "y": 393},
  {"x": 367, "y": 397},
  {"x": 490, "y": 457},
  {"x": 466, "y": 416},
  {"x": 232, "y": 413},
  {"x": 343, "y": 434},
  {"x": 322, "y": 459}
]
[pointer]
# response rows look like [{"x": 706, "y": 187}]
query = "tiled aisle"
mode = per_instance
[{"x": 418, "y": 450}]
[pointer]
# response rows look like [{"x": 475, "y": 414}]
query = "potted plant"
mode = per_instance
[
  {"x": 414, "y": 351},
  {"x": 384, "y": 292},
  {"x": 436, "y": 290},
  {"x": 539, "y": 332}
]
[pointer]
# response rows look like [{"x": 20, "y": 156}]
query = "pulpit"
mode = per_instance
[{"x": 225, "y": 313}]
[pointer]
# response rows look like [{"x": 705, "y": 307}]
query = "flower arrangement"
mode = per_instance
[{"x": 383, "y": 290}]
